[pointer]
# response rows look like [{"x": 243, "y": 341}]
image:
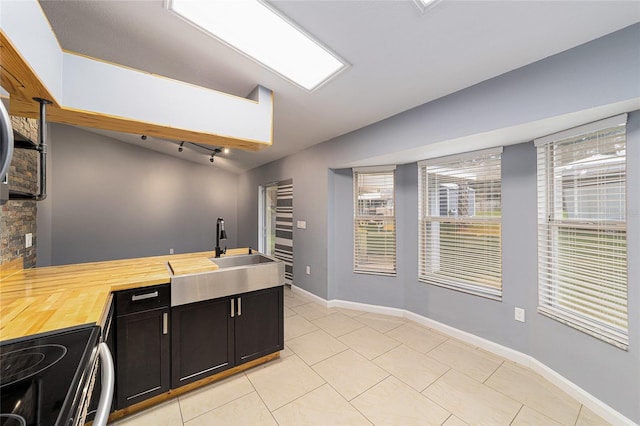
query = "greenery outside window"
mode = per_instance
[
  {"x": 374, "y": 246},
  {"x": 460, "y": 214},
  {"x": 582, "y": 232}
]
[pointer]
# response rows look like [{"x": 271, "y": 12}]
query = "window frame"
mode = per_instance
[
  {"x": 575, "y": 236},
  {"x": 470, "y": 283},
  {"x": 360, "y": 265}
]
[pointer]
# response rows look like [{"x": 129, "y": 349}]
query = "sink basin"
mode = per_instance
[
  {"x": 236, "y": 274},
  {"x": 241, "y": 260}
]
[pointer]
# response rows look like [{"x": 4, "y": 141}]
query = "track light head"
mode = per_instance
[
  {"x": 143, "y": 137},
  {"x": 212, "y": 159},
  {"x": 180, "y": 148}
]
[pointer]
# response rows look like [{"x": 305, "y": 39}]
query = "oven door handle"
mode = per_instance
[{"x": 108, "y": 377}]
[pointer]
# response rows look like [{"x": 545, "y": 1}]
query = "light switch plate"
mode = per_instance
[
  {"x": 519, "y": 314},
  {"x": 28, "y": 240},
  {"x": 301, "y": 224}
]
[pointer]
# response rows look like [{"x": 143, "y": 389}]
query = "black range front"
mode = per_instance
[{"x": 43, "y": 378}]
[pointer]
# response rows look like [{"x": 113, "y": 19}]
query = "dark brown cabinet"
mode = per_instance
[
  {"x": 259, "y": 328},
  {"x": 142, "y": 344},
  {"x": 202, "y": 340},
  {"x": 214, "y": 335}
]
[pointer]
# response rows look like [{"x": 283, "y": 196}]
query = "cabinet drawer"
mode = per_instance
[{"x": 142, "y": 299}]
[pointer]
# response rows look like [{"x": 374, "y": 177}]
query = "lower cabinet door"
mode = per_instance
[
  {"x": 201, "y": 340},
  {"x": 259, "y": 324},
  {"x": 142, "y": 360}
]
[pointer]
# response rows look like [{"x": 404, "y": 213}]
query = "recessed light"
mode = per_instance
[{"x": 258, "y": 31}]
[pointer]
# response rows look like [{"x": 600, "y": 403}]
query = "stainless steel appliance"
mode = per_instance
[
  {"x": 6, "y": 151},
  {"x": 47, "y": 379}
]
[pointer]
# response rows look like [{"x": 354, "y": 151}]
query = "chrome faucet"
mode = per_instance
[{"x": 221, "y": 234}]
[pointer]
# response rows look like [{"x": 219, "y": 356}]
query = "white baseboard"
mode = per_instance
[{"x": 594, "y": 404}]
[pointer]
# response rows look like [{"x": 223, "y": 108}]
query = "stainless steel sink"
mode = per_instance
[
  {"x": 236, "y": 274},
  {"x": 242, "y": 260}
]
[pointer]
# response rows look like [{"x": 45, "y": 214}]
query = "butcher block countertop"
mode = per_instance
[{"x": 38, "y": 300}]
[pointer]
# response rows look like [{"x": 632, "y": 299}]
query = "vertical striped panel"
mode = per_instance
[{"x": 284, "y": 228}]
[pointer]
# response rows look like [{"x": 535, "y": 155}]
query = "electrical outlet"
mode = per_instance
[
  {"x": 301, "y": 224},
  {"x": 308, "y": 270},
  {"x": 519, "y": 314},
  {"x": 170, "y": 251},
  {"x": 28, "y": 240}
]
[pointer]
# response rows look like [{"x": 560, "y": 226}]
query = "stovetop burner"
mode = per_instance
[
  {"x": 23, "y": 363},
  {"x": 41, "y": 376}
]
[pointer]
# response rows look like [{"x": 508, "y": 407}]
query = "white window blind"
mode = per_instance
[
  {"x": 582, "y": 237},
  {"x": 460, "y": 202},
  {"x": 374, "y": 220}
]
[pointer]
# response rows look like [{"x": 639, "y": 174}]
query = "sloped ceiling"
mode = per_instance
[{"x": 399, "y": 57}]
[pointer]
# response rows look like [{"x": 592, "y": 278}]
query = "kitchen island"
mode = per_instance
[
  {"x": 156, "y": 334},
  {"x": 44, "y": 299}
]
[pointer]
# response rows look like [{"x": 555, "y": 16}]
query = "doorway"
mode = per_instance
[{"x": 276, "y": 223}]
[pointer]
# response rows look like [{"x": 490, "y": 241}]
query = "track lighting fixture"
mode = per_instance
[
  {"x": 213, "y": 154},
  {"x": 213, "y": 151}
]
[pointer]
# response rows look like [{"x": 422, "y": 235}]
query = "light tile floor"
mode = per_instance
[{"x": 344, "y": 367}]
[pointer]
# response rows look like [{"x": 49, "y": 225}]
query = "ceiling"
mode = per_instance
[{"x": 398, "y": 56}]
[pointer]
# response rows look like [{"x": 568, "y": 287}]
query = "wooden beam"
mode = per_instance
[
  {"x": 18, "y": 78},
  {"x": 96, "y": 120}
]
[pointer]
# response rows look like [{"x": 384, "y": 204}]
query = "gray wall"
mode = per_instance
[
  {"x": 598, "y": 73},
  {"x": 112, "y": 200}
]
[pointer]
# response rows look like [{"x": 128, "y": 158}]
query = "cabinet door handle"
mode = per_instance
[
  {"x": 233, "y": 311},
  {"x": 239, "y": 306},
  {"x": 165, "y": 323},
  {"x": 151, "y": 295}
]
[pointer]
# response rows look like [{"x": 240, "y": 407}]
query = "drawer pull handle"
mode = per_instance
[
  {"x": 233, "y": 309},
  {"x": 165, "y": 323},
  {"x": 136, "y": 297},
  {"x": 239, "y": 306}
]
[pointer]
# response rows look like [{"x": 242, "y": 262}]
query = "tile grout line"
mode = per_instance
[
  {"x": 260, "y": 396},
  {"x": 484, "y": 382},
  {"x": 516, "y": 416}
]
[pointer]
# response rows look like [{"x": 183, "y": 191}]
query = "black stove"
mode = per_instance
[{"x": 43, "y": 377}]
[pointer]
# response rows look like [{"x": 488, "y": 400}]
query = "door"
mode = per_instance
[
  {"x": 268, "y": 204},
  {"x": 201, "y": 340},
  {"x": 259, "y": 329},
  {"x": 276, "y": 224}
]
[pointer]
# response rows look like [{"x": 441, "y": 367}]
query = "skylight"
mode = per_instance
[{"x": 253, "y": 28}]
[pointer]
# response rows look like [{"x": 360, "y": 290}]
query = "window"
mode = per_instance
[
  {"x": 374, "y": 246},
  {"x": 460, "y": 239},
  {"x": 582, "y": 237}
]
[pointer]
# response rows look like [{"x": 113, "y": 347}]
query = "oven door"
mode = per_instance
[
  {"x": 102, "y": 363},
  {"x": 108, "y": 337}
]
